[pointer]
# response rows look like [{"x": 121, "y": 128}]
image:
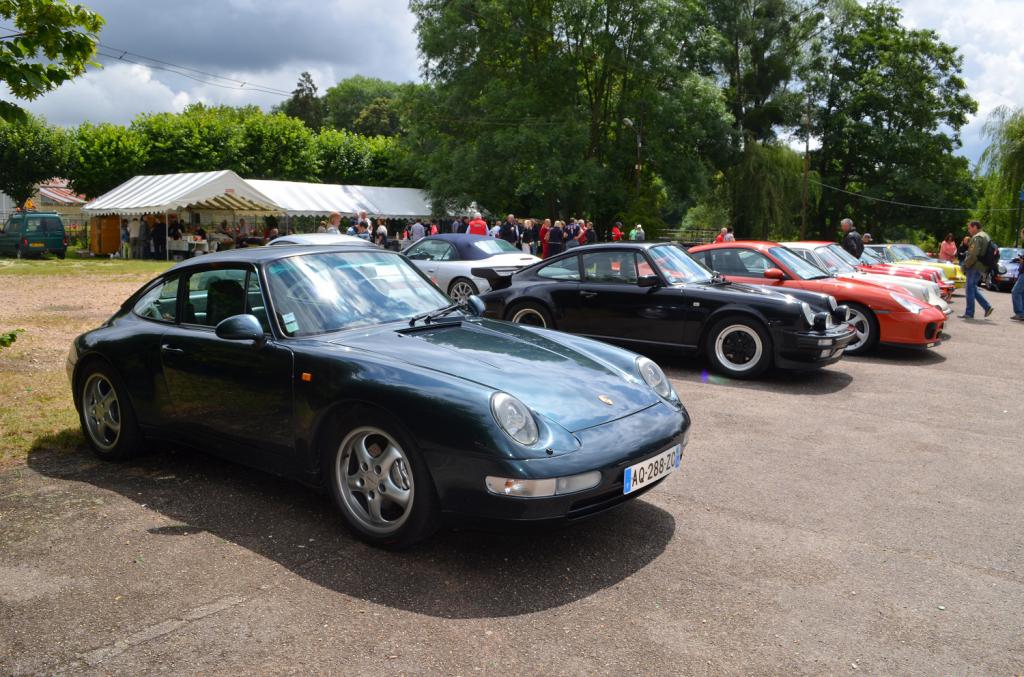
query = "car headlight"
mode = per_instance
[
  {"x": 808, "y": 313},
  {"x": 653, "y": 376},
  {"x": 909, "y": 303},
  {"x": 514, "y": 418}
]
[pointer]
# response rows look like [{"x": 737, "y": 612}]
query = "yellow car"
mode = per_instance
[{"x": 912, "y": 255}]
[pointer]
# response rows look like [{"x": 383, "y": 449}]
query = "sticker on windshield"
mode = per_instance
[{"x": 290, "y": 325}]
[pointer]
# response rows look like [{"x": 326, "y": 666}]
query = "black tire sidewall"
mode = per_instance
[
  {"x": 549, "y": 321},
  {"x": 129, "y": 441},
  {"x": 767, "y": 354},
  {"x": 425, "y": 516},
  {"x": 872, "y": 341}
]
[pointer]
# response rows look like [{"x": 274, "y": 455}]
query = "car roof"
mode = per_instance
[
  {"x": 259, "y": 255},
  {"x": 463, "y": 243},
  {"x": 807, "y": 243},
  {"x": 317, "y": 238},
  {"x": 745, "y": 244}
]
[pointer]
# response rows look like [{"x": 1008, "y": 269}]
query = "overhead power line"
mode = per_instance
[{"x": 906, "y": 204}]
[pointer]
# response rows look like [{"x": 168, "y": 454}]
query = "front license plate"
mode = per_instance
[{"x": 653, "y": 469}]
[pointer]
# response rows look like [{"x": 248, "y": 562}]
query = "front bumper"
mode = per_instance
[
  {"x": 920, "y": 330},
  {"x": 810, "y": 349},
  {"x": 608, "y": 448}
]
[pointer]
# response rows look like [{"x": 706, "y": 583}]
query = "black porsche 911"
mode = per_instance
[
  {"x": 346, "y": 368},
  {"x": 645, "y": 294}
]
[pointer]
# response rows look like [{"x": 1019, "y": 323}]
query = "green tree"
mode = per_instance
[
  {"x": 1002, "y": 173},
  {"x": 51, "y": 43},
  {"x": 348, "y": 158},
  {"x": 379, "y": 118},
  {"x": 104, "y": 156},
  {"x": 304, "y": 103},
  {"x": 30, "y": 152},
  {"x": 200, "y": 139},
  {"x": 344, "y": 102},
  {"x": 276, "y": 147},
  {"x": 889, "y": 103},
  {"x": 528, "y": 103}
]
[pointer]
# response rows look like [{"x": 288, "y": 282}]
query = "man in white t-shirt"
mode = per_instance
[{"x": 134, "y": 238}]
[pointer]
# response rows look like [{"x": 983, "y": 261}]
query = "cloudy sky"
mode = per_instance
[{"x": 267, "y": 43}]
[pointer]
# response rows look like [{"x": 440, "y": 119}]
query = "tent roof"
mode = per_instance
[
  {"x": 154, "y": 194},
  {"x": 302, "y": 199}
]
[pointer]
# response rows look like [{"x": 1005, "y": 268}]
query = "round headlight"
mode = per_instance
[
  {"x": 808, "y": 313},
  {"x": 514, "y": 418},
  {"x": 653, "y": 376}
]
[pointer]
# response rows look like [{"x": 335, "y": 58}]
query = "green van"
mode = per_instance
[{"x": 33, "y": 234}]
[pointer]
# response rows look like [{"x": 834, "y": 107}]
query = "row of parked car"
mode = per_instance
[{"x": 414, "y": 409}]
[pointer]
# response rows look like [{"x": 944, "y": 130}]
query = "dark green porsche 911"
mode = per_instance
[{"x": 344, "y": 367}]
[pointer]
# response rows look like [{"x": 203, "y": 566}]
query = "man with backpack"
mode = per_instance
[{"x": 980, "y": 258}]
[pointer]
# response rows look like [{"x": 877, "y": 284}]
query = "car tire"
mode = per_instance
[
  {"x": 106, "y": 414},
  {"x": 461, "y": 289},
  {"x": 530, "y": 314},
  {"x": 739, "y": 347},
  {"x": 365, "y": 493},
  {"x": 866, "y": 324}
]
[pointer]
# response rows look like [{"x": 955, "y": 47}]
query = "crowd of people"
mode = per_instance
[{"x": 148, "y": 237}]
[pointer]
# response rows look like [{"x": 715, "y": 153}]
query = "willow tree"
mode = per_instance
[
  {"x": 766, "y": 187},
  {"x": 1002, "y": 167}
]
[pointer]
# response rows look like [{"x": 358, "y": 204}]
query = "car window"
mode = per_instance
[
  {"x": 494, "y": 245},
  {"x": 159, "y": 303},
  {"x": 739, "y": 262},
  {"x": 563, "y": 269},
  {"x": 37, "y": 225},
  {"x": 802, "y": 269},
  {"x": 214, "y": 295},
  {"x": 614, "y": 267},
  {"x": 431, "y": 250},
  {"x": 326, "y": 292},
  {"x": 13, "y": 226}
]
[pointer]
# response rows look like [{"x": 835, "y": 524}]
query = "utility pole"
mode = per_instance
[{"x": 806, "y": 120}]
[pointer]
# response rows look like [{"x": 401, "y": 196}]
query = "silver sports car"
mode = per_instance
[{"x": 447, "y": 260}]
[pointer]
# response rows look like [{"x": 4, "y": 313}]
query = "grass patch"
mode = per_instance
[
  {"x": 36, "y": 405},
  {"x": 77, "y": 266}
]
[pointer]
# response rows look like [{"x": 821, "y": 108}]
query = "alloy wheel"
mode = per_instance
[
  {"x": 862, "y": 326},
  {"x": 374, "y": 480},
  {"x": 529, "y": 316},
  {"x": 461, "y": 291},
  {"x": 101, "y": 411}
]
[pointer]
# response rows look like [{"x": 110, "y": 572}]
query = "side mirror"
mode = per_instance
[
  {"x": 475, "y": 305},
  {"x": 240, "y": 328},
  {"x": 648, "y": 281},
  {"x": 774, "y": 274}
]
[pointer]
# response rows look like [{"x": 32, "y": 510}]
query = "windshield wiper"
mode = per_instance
[{"x": 433, "y": 314}]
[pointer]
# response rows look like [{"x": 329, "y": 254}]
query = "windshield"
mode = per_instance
[
  {"x": 496, "y": 246},
  {"x": 802, "y": 268},
  {"x": 848, "y": 262},
  {"x": 677, "y": 266},
  {"x": 1009, "y": 253},
  {"x": 870, "y": 257},
  {"x": 321, "y": 293},
  {"x": 910, "y": 251}
]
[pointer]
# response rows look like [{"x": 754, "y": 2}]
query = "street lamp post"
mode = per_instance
[{"x": 639, "y": 149}]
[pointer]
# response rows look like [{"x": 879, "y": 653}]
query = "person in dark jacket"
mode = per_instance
[
  {"x": 509, "y": 231},
  {"x": 852, "y": 241}
]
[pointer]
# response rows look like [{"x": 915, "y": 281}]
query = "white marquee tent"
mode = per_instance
[
  {"x": 314, "y": 199},
  {"x": 164, "y": 193}
]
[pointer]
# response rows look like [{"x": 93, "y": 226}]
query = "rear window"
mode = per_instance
[{"x": 39, "y": 225}]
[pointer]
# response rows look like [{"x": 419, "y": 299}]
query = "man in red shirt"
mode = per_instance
[
  {"x": 721, "y": 235},
  {"x": 477, "y": 226}
]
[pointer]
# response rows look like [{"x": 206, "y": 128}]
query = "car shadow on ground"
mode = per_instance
[
  {"x": 816, "y": 382},
  {"x": 922, "y": 357},
  {"x": 453, "y": 575}
]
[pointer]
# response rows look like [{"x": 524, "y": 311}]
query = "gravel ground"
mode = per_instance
[{"x": 866, "y": 518}]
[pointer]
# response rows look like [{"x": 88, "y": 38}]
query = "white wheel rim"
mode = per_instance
[
  {"x": 739, "y": 347},
  {"x": 861, "y": 326},
  {"x": 461, "y": 291},
  {"x": 373, "y": 477},
  {"x": 530, "y": 317},
  {"x": 101, "y": 411}
]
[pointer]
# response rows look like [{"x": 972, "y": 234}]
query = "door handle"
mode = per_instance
[
  {"x": 167, "y": 348},
  {"x": 588, "y": 294}
]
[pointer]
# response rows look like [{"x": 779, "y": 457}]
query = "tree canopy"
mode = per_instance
[
  {"x": 30, "y": 152},
  {"x": 52, "y": 42}
]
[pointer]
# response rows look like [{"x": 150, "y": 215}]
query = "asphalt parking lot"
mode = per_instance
[{"x": 867, "y": 518}]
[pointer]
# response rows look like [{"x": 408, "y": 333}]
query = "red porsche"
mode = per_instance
[{"x": 879, "y": 315}]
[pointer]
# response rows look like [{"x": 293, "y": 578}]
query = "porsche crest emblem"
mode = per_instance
[{"x": 607, "y": 400}]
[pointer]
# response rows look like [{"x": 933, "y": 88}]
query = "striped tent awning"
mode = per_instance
[
  {"x": 155, "y": 194},
  {"x": 311, "y": 199}
]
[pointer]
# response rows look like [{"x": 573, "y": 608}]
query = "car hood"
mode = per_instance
[
  {"x": 556, "y": 381},
  {"x": 922, "y": 290}
]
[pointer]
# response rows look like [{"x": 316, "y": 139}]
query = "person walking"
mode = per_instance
[
  {"x": 477, "y": 226},
  {"x": 852, "y": 241},
  {"x": 976, "y": 265},
  {"x": 947, "y": 250},
  {"x": 555, "y": 239}
]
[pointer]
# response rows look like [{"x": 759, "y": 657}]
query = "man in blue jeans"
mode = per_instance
[
  {"x": 1017, "y": 294},
  {"x": 975, "y": 269}
]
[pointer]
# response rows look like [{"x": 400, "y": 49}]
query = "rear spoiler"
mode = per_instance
[{"x": 493, "y": 277}]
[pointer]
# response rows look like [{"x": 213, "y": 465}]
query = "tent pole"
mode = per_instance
[{"x": 167, "y": 235}]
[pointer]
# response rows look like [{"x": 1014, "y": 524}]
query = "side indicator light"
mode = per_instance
[{"x": 306, "y": 377}]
